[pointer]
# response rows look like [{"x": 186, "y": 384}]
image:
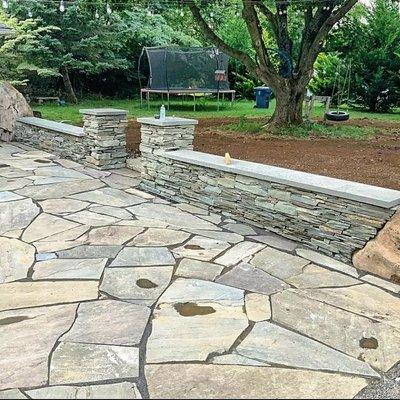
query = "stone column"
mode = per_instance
[
  {"x": 105, "y": 130},
  {"x": 157, "y": 137}
]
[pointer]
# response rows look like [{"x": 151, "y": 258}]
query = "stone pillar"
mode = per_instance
[
  {"x": 157, "y": 137},
  {"x": 105, "y": 130}
]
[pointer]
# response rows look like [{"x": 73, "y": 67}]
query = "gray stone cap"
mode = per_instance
[
  {"x": 368, "y": 194},
  {"x": 103, "y": 112},
  {"x": 53, "y": 126},
  {"x": 168, "y": 121}
]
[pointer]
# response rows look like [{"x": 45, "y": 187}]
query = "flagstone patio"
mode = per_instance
[{"x": 109, "y": 292}]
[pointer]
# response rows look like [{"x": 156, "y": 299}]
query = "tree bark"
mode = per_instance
[
  {"x": 68, "y": 85},
  {"x": 289, "y": 104}
]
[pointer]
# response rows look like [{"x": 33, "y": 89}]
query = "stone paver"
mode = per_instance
[
  {"x": 123, "y": 390},
  {"x": 246, "y": 276},
  {"x": 109, "y": 322},
  {"x": 109, "y": 292},
  {"x": 16, "y": 259},
  {"x": 174, "y": 381},
  {"x": 80, "y": 362}
]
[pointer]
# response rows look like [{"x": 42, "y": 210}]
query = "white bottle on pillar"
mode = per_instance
[{"x": 162, "y": 113}]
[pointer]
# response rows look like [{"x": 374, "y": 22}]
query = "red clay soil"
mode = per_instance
[{"x": 375, "y": 161}]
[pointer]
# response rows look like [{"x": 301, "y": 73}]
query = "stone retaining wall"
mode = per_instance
[
  {"x": 64, "y": 144},
  {"x": 100, "y": 143},
  {"x": 335, "y": 225}
]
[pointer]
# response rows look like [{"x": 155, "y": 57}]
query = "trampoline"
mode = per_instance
[{"x": 189, "y": 71}]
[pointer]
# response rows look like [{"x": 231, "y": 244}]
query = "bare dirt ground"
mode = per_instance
[{"x": 375, "y": 161}]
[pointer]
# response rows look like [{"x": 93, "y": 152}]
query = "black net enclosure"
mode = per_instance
[{"x": 189, "y": 69}]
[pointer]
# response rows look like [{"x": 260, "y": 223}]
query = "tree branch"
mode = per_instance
[{"x": 209, "y": 34}]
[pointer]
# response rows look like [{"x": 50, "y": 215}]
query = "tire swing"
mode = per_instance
[{"x": 339, "y": 115}]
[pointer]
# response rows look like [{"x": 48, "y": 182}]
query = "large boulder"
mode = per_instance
[
  {"x": 12, "y": 106},
  {"x": 381, "y": 255}
]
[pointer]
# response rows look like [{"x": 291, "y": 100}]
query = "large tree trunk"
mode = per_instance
[
  {"x": 68, "y": 85},
  {"x": 289, "y": 104}
]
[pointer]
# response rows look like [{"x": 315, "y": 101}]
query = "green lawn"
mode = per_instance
[{"x": 205, "y": 109}]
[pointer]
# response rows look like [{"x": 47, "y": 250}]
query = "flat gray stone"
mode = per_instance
[
  {"x": 74, "y": 234},
  {"x": 116, "y": 212},
  {"x": 62, "y": 206},
  {"x": 374, "y": 280},
  {"x": 381, "y": 306},
  {"x": 247, "y": 277},
  {"x": 201, "y": 248},
  {"x": 117, "y": 181},
  {"x": 365, "y": 339},
  {"x": 122, "y": 390},
  {"x": 112, "y": 235},
  {"x": 143, "y": 256},
  {"x": 16, "y": 259},
  {"x": 199, "y": 291},
  {"x": 80, "y": 362},
  {"x": 229, "y": 237},
  {"x": 17, "y": 214},
  {"x": 237, "y": 359},
  {"x": 9, "y": 196},
  {"x": 46, "y": 225},
  {"x": 27, "y": 338},
  {"x": 318, "y": 277},
  {"x": 241, "y": 229},
  {"x": 139, "y": 285},
  {"x": 190, "y": 329},
  {"x": 32, "y": 294},
  {"x": 189, "y": 268},
  {"x": 278, "y": 263},
  {"x": 274, "y": 240},
  {"x": 109, "y": 197},
  {"x": 12, "y": 394},
  {"x": 92, "y": 218},
  {"x": 171, "y": 216},
  {"x": 326, "y": 261},
  {"x": 89, "y": 251},
  {"x": 258, "y": 307},
  {"x": 69, "y": 269},
  {"x": 108, "y": 322},
  {"x": 195, "y": 381},
  {"x": 238, "y": 253},
  {"x": 59, "y": 171},
  {"x": 272, "y": 344},
  {"x": 159, "y": 237},
  {"x": 57, "y": 190}
]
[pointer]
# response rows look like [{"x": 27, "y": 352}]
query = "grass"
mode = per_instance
[
  {"x": 205, "y": 108},
  {"x": 320, "y": 130}
]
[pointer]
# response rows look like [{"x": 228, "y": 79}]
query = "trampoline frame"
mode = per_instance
[{"x": 181, "y": 91}]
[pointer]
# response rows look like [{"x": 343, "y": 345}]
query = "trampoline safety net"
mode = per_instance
[{"x": 192, "y": 68}]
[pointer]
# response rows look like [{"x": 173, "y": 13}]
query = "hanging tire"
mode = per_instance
[{"x": 337, "y": 116}]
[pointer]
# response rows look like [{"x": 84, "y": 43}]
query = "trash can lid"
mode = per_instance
[{"x": 262, "y": 88}]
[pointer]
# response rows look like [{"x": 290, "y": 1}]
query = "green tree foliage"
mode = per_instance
[
  {"x": 85, "y": 46},
  {"x": 369, "y": 37}
]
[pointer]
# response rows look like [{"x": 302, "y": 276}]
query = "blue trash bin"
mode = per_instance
[{"x": 263, "y": 96}]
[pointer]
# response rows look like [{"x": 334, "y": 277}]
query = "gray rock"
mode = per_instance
[
  {"x": 79, "y": 362},
  {"x": 177, "y": 381},
  {"x": 69, "y": 269},
  {"x": 272, "y": 344},
  {"x": 17, "y": 214},
  {"x": 278, "y": 263},
  {"x": 143, "y": 256},
  {"x": 109, "y": 197},
  {"x": 238, "y": 253},
  {"x": 247, "y": 277},
  {"x": 27, "y": 338},
  {"x": 123, "y": 390},
  {"x": 108, "y": 322},
  {"x": 160, "y": 237},
  {"x": 16, "y": 259},
  {"x": 189, "y": 268},
  {"x": 201, "y": 248},
  {"x": 88, "y": 251},
  {"x": 139, "y": 285}
]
